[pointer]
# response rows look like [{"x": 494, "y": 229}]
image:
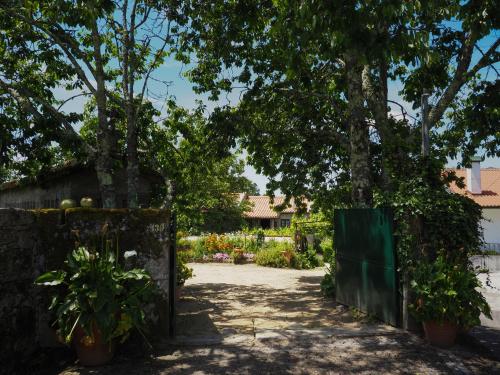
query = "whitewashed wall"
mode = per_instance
[{"x": 491, "y": 225}]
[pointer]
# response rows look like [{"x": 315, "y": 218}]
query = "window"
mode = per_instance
[{"x": 285, "y": 223}]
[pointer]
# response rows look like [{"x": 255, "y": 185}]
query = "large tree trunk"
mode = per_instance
[
  {"x": 105, "y": 138},
  {"x": 375, "y": 92},
  {"x": 128, "y": 70},
  {"x": 132, "y": 162},
  {"x": 361, "y": 179}
]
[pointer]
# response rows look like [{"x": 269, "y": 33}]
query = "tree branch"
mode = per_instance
[
  {"x": 459, "y": 78},
  {"x": 68, "y": 132}
]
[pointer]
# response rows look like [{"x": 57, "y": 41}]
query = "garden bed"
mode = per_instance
[{"x": 241, "y": 250}]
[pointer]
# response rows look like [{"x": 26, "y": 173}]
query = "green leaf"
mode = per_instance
[{"x": 51, "y": 278}]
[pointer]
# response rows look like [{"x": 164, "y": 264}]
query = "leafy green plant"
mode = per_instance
[
  {"x": 273, "y": 256},
  {"x": 327, "y": 249},
  {"x": 183, "y": 271},
  {"x": 328, "y": 282},
  {"x": 260, "y": 238},
  {"x": 270, "y": 232},
  {"x": 306, "y": 260},
  {"x": 96, "y": 291},
  {"x": 445, "y": 290}
]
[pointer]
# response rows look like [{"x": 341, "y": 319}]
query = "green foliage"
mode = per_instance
[
  {"x": 207, "y": 177},
  {"x": 273, "y": 255},
  {"x": 475, "y": 120},
  {"x": 260, "y": 238},
  {"x": 183, "y": 271},
  {"x": 282, "y": 255},
  {"x": 95, "y": 289},
  {"x": 328, "y": 284},
  {"x": 327, "y": 249},
  {"x": 446, "y": 290},
  {"x": 317, "y": 223},
  {"x": 306, "y": 260},
  {"x": 270, "y": 232},
  {"x": 294, "y": 116},
  {"x": 429, "y": 218}
]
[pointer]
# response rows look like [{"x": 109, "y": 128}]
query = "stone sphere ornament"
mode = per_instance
[
  {"x": 67, "y": 203},
  {"x": 86, "y": 202}
]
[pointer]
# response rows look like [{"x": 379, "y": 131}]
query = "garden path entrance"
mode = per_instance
[{"x": 226, "y": 299}]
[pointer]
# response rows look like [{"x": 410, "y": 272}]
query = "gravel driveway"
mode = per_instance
[{"x": 245, "y": 319}]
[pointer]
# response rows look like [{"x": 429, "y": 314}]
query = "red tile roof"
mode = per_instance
[
  {"x": 263, "y": 209},
  {"x": 490, "y": 186}
]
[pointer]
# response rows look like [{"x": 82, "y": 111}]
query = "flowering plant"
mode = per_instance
[
  {"x": 216, "y": 243},
  {"x": 249, "y": 257},
  {"x": 221, "y": 257}
]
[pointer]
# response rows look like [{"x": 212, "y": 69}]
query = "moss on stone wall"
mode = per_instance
[{"x": 36, "y": 241}]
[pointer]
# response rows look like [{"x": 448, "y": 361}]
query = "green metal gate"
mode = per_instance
[{"x": 366, "y": 264}]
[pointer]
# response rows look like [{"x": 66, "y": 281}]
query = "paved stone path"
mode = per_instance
[{"x": 252, "y": 320}]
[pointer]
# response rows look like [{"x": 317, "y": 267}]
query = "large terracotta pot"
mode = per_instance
[
  {"x": 440, "y": 334},
  {"x": 92, "y": 351}
]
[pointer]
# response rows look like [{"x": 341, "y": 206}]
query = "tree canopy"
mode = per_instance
[{"x": 315, "y": 109}]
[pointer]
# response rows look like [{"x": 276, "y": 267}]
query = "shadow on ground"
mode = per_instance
[
  {"x": 208, "y": 309},
  {"x": 299, "y": 317},
  {"x": 394, "y": 354}
]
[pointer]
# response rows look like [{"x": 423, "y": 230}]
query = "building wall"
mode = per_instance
[
  {"x": 491, "y": 225},
  {"x": 82, "y": 183},
  {"x": 33, "y": 242},
  {"x": 287, "y": 217}
]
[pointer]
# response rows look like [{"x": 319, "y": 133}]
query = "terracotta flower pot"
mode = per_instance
[
  {"x": 92, "y": 351},
  {"x": 440, "y": 334}
]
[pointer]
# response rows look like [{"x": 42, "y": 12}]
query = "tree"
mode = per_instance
[
  {"x": 340, "y": 55},
  {"x": 92, "y": 47},
  {"x": 206, "y": 175}
]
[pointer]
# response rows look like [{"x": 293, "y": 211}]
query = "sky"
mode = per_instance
[{"x": 182, "y": 90}]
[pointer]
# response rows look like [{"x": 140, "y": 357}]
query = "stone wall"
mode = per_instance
[
  {"x": 74, "y": 183},
  {"x": 33, "y": 242}
]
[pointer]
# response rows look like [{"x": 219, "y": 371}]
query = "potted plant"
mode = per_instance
[
  {"x": 447, "y": 299},
  {"x": 183, "y": 273},
  {"x": 97, "y": 302}
]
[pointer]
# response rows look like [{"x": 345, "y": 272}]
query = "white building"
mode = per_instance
[{"x": 483, "y": 186}]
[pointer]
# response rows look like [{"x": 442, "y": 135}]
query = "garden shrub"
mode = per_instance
[
  {"x": 328, "y": 283},
  {"x": 272, "y": 256},
  {"x": 236, "y": 242},
  {"x": 448, "y": 291},
  {"x": 306, "y": 260},
  {"x": 251, "y": 246}
]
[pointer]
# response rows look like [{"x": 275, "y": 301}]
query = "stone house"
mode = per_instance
[
  {"x": 483, "y": 186},
  {"x": 72, "y": 181},
  {"x": 265, "y": 214}
]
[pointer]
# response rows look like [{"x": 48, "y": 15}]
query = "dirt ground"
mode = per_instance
[{"x": 245, "y": 319}]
